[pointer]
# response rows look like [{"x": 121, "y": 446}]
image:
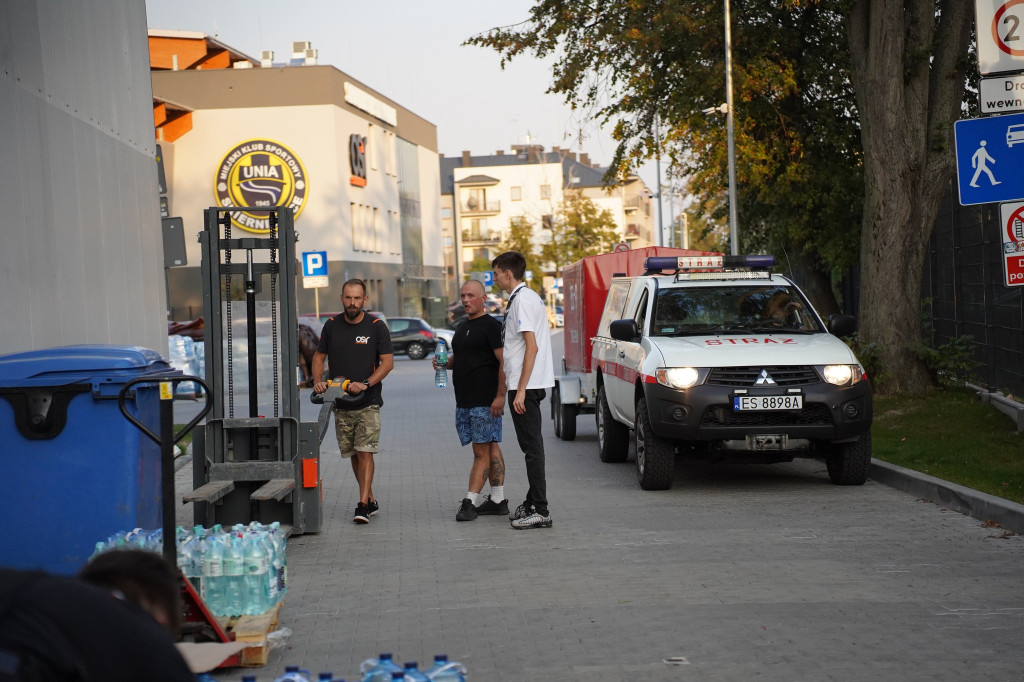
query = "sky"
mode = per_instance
[{"x": 411, "y": 52}]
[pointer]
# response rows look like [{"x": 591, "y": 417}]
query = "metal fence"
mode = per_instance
[{"x": 963, "y": 277}]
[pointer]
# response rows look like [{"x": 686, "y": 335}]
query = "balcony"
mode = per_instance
[
  {"x": 632, "y": 231},
  {"x": 631, "y": 204},
  {"x": 473, "y": 207},
  {"x": 480, "y": 238}
]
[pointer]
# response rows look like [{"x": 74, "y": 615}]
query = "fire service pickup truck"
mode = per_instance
[{"x": 722, "y": 359}]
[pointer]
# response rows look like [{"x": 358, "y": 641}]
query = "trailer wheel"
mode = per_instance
[
  {"x": 848, "y": 463},
  {"x": 612, "y": 437},
  {"x": 564, "y": 416},
  {"x": 655, "y": 456}
]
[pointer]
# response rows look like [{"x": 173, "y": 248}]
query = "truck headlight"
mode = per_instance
[
  {"x": 843, "y": 375},
  {"x": 677, "y": 377}
]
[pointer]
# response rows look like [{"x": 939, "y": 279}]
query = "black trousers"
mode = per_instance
[{"x": 531, "y": 442}]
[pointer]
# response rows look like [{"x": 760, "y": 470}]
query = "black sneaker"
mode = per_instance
[
  {"x": 467, "y": 512},
  {"x": 373, "y": 507},
  {"x": 362, "y": 514},
  {"x": 490, "y": 507},
  {"x": 522, "y": 511}
]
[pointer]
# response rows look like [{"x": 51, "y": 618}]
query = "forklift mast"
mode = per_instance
[{"x": 254, "y": 460}]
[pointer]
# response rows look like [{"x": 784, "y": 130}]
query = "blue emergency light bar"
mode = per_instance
[{"x": 658, "y": 263}]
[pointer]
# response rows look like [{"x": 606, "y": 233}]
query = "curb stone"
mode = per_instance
[{"x": 982, "y": 506}]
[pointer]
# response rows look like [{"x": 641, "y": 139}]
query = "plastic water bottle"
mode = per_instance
[
  {"x": 441, "y": 357},
  {"x": 445, "y": 671},
  {"x": 293, "y": 674},
  {"x": 213, "y": 576},
  {"x": 234, "y": 578},
  {"x": 380, "y": 669},
  {"x": 257, "y": 565},
  {"x": 326, "y": 677},
  {"x": 413, "y": 674},
  {"x": 280, "y": 558}
]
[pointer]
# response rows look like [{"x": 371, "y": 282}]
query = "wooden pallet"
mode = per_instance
[{"x": 253, "y": 629}]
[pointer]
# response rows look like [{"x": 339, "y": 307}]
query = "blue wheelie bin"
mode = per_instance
[{"x": 75, "y": 471}]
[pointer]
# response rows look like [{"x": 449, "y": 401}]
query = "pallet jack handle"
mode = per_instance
[{"x": 167, "y": 439}]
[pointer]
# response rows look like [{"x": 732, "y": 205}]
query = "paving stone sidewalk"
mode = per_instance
[{"x": 741, "y": 572}]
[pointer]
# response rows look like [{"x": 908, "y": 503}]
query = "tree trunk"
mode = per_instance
[{"x": 906, "y": 58}]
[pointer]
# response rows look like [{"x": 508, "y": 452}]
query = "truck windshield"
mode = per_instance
[{"x": 732, "y": 310}]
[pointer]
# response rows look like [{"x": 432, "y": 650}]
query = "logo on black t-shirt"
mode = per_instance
[{"x": 363, "y": 339}]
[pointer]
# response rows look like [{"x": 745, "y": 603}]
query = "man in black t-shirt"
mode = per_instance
[
  {"x": 479, "y": 402},
  {"x": 357, "y": 346}
]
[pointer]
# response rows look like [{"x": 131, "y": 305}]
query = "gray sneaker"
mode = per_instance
[{"x": 534, "y": 520}]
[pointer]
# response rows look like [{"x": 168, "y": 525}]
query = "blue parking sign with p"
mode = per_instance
[
  {"x": 990, "y": 159},
  {"x": 314, "y": 263}
]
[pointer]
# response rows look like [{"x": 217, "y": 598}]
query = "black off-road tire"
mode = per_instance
[
  {"x": 568, "y": 420},
  {"x": 612, "y": 437},
  {"x": 556, "y": 413},
  {"x": 848, "y": 463},
  {"x": 655, "y": 456},
  {"x": 416, "y": 351}
]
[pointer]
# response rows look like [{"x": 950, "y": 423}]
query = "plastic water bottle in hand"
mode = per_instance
[{"x": 441, "y": 358}]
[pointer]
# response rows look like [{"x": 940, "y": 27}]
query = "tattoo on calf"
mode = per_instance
[{"x": 497, "y": 471}]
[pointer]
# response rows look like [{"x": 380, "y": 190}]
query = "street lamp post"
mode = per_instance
[{"x": 733, "y": 218}]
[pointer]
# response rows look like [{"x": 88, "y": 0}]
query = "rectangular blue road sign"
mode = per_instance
[
  {"x": 990, "y": 159},
  {"x": 314, "y": 263},
  {"x": 489, "y": 278}
]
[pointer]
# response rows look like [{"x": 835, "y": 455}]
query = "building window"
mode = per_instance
[
  {"x": 517, "y": 194},
  {"x": 545, "y": 191},
  {"x": 547, "y": 221},
  {"x": 354, "y": 219},
  {"x": 376, "y": 230},
  {"x": 446, "y": 213}
]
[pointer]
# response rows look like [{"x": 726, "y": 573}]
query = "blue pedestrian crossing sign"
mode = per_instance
[
  {"x": 990, "y": 159},
  {"x": 314, "y": 269}
]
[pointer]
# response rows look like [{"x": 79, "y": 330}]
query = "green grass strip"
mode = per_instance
[{"x": 948, "y": 433}]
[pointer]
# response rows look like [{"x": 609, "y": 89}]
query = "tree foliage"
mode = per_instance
[
  {"x": 581, "y": 228},
  {"x": 633, "y": 63}
]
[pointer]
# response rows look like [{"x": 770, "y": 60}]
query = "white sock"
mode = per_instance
[
  {"x": 497, "y": 493},
  {"x": 476, "y": 498}
]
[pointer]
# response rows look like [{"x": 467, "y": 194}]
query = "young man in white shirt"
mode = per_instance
[{"x": 528, "y": 371}]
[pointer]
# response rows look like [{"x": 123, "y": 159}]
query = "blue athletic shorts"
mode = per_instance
[{"x": 476, "y": 425}]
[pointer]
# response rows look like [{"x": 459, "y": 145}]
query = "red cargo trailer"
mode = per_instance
[{"x": 585, "y": 286}]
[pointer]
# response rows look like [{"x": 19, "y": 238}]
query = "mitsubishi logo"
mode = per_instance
[{"x": 764, "y": 378}]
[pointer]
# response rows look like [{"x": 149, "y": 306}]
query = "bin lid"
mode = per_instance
[{"x": 69, "y": 364}]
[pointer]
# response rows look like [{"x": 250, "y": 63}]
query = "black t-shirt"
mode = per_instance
[
  {"x": 353, "y": 350},
  {"x": 475, "y": 365},
  {"x": 63, "y": 629}
]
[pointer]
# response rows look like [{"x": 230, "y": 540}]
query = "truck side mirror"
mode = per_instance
[
  {"x": 624, "y": 330},
  {"x": 842, "y": 325}
]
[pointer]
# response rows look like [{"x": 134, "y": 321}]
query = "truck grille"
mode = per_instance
[
  {"x": 813, "y": 414},
  {"x": 745, "y": 377}
]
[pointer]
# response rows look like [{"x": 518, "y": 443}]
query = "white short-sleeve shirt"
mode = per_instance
[{"x": 527, "y": 314}]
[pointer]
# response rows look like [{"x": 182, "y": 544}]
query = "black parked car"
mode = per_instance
[{"x": 411, "y": 336}]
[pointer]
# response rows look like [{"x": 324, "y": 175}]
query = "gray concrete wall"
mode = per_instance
[{"x": 80, "y": 245}]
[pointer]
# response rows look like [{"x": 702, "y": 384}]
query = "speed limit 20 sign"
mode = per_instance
[{"x": 1000, "y": 29}]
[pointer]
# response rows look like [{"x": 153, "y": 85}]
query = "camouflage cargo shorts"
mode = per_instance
[{"x": 358, "y": 430}]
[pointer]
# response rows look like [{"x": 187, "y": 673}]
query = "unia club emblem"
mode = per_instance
[{"x": 260, "y": 173}]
